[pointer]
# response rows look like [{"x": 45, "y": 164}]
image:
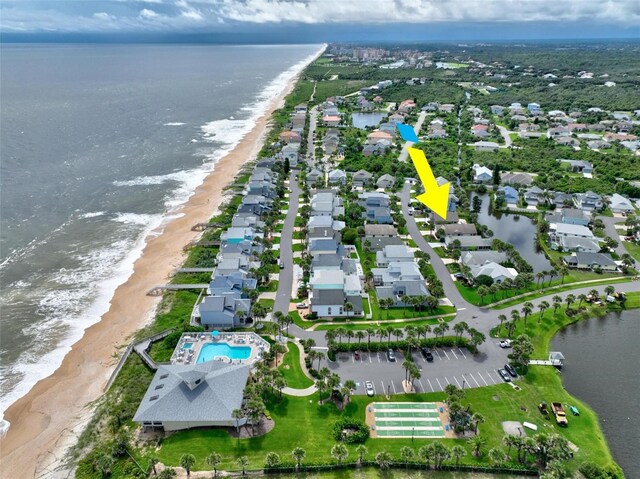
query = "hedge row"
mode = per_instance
[{"x": 402, "y": 344}]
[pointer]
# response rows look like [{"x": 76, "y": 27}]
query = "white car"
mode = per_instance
[
  {"x": 505, "y": 343},
  {"x": 301, "y": 305},
  {"x": 368, "y": 386}
]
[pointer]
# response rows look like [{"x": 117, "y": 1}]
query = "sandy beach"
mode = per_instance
[{"x": 45, "y": 422}]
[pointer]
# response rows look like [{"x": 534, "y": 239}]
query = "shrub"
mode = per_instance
[{"x": 350, "y": 431}]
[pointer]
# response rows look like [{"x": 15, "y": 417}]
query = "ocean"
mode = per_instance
[{"x": 99, "y": 145}]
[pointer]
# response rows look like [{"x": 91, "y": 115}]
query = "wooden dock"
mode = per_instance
[
  {"x": 156, "y": 290},
  {"x": 194, "y": 270},
  {"x": 204, "y": 226}
]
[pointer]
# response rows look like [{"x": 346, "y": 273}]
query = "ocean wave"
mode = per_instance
[
  {"x": 174, "y": 123},
  {"x": 93, "y": 214},
  {"x": 90, "y": 287}
]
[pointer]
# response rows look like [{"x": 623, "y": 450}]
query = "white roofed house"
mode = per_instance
[
  {"x": 314, "y": 175},
  {"x": 481, "y": 174},
  {"x": 578, "y": 231},
  {"x": 386, "y": 181},
  {"x": 495, "y": 271},
  {"x": 620, "y": 204},
  {"x": 393, "y": 254},
  {"x": 290, "y": 152},
  {"x": 398, "y": 281},
  {"x": 337, "y": 177},
  {"x": 486, "y": 146},
  {"x": 592, "y": 261},
  {"x": 588, "y": 201}
]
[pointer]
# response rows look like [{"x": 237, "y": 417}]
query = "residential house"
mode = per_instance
[
  {"x": 290, "y": 152},
  {"x": 592, "y": 261},
  {"x": 396, "y": 118},
  {"x": 481, "y": 174},
  {"x": 326, "y": 203},
  {"x": 563, "y": 229},
  {"x": 572, "y": 243},
  {"x": 290, "y": 137},
  {"x": 330, "y": 145},
  {"x": 361, "y": 178},
  {"x": 510, "y": 194},
  {"x": 314, "y": 175},
  {"x": 475, "y": 258},
  {"x": 370, "y": 149},
  {"x": 399, "y": 281},
  {"x": 588, "y": 201},
  {"x": 620, "y": 204},
  {"x": 480, "y": 131},
  {"x": 184, "y": 396},
  {"x": 533, "y": 195},
  {"x": 462, "y": 229},
  {"x": 524, "y": 179},
  {"x": 558, "y": 132},
  {"x": 486, "y": 146},
  {"x": 393, "y": 254},
  {"x": 236, "y": 235},
  {"x": 497, "y": 109},
  {"x": 380, "y": 231},
  {"x": 579, "y": 166},
  {"x": 223, "y": 310},
  {"x": 379, "y": 135},
  {"x": 562, "y": 200},
  {"x": 570, "y": 216},
  {"x": 452, "y": 203},
  {"x": 386, "y": 181},
  {"x": 337, "y": 177},
  {"x": 301, "y": 108},
  {"x": 467, "y": 243},
  {"x": 331, "y": 120},
  {"x": 495, "y": 271},
  {"x": 376, "y": 207}
]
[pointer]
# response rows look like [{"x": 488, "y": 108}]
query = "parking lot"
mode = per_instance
[{"x": 449, "y": 366}]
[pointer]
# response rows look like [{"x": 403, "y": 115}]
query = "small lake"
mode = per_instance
[
  {"x": 601, "y": 368},
  {"x": 363, "y": 120},
  {"x": 519, "y": 230}
]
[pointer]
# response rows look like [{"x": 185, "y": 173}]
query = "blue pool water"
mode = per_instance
[
  {"x": 187, "y": 345},
  {"x": 213, "y": 350}
]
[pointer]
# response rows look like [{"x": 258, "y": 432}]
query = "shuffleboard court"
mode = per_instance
[{"x": 406, "y": 419}]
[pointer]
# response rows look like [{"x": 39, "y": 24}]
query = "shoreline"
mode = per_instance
[{"x": 46, "y": 420}]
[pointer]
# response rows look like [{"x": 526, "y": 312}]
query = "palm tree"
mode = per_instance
[
  {"x": 243, "y": 462},
  {"x": 272, "y": 459},
  {"x": 509, "y": 441},
  {"x": 440, "y": 454},
  {"x": 362, "y": 451},
  {"x": 406, "y": 453},
  {"x": 406, "y": 364},
  {"x": 187, "y": 461},
  {"x": 543, "y": 306},
  {"x": 527, "y": 308},
  {"x": 594, "y": 294},
  {"x": 398, "y": 333},
  {"x": 476, "y": 419},
  {"x": 570, "y": 299},
  {"x": 581, "y": 297},
  {"x": 237, "y": 414},
  {"x": 383, "y": 458},
  {"x": 213, "y": 461},
  {"x": 557, "y": 301},
  {"x": 564, "y": 271},
  {"x": 153, "y": 461},
  {"x": 350, "y": 334},
  {"x": 502, "y": 319},
  {"x": 497, "y": 456},
  {"x": 477, "y": 442},
  {"x": 426, "y": 454},
  {"x": 348, "y": 307},
  {"x": 298, "y": 455},
  {"x": 168, "y": 473},
  {"x": 482, "y": 292},
  {"x": 458, "y": 452},
  {"x": 348, "y": 388},
  {"x": 459, "y": 328},
  {"x": 339, "y": 452},
  {"x": 539, "y": 276},
  {"x": 609, "y": 290},
  {"x": 360, "y": 335}
]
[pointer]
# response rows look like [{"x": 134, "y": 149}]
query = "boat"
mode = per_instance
[{"x": 574, "y": 411}]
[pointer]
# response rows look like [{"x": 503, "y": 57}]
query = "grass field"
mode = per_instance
[
  {"x": 633, "y": 249},
  {"x": 291, "y": 369}
]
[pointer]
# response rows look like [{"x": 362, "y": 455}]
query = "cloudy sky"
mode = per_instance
[{"x": 314, "y": 20}]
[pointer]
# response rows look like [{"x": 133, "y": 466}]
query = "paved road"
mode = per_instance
[
  {"x": 611, "y": 231},
  {"x": 405, "y": 152},
  {"x": 285, "y": 281},
  {"x": 311, "y": 147},
  {"x": 505, "y": 134}
]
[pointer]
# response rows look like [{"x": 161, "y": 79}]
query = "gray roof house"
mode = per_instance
[
  {"x": 562, "y": 199},
  {"x": 290, "y": 152},
  {"x": 379, "y": 242},
  {"x": 187, "y": 396},
  {"x": 563, "y": 229},
  {"x": 337, "y": 177},
  {"x": 588, "y": 201},
  {"x": 223, "y": 310},
  {"x": 314, "y": 175},
  {"x": 473, "y": 242},
  {"x": 583, "y": 245},
  {"x": 474, "y": 258},
  {"x": 524, "y": 179},
  {"x": 376, "y": 207},
  {"x": 533, "y": 195},
  {"x": 386, "y": 181},
  {"x": 462, "y": 229},
  {"x": 591, "y": 261},
  {"x": 326, "y": 203},
  {"x": 393, "y": 254},
  {"x": 361, "y": 178},
  {"x": 571, "y": 216},
  {"x": 399, "y": 280},
  {"x": 620, "y": 204},
  {"x": 379, "y": 231}
]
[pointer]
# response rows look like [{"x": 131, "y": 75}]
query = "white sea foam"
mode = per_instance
[
  {"x": 102, "y": 271},
  {"x": 174, "y": 123},
  {"x": 93, "y": 214}
]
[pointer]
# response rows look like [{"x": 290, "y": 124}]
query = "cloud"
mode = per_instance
[
  {"x": 148, "y": 14},
  {"x": 189, "y": 15}
]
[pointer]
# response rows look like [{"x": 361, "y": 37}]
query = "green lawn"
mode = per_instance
[
  {"x": 377, "y": 324},
  {"x": 291, "y": 369},
  {"x": 297, "y": 247},
  {"x": 633, "y": 249},
  {"x": 272, "y": 287}
]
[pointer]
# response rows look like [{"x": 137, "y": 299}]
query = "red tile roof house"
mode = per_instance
[
  {"x": 290, "y": 137},
  {"x": 379, "y": 135},
  {"x": 331, "y": 120},
  {"x": 619, "y": 137},
  {"x": 480, "y": 131},
  {"x": 577, "y": 126}
]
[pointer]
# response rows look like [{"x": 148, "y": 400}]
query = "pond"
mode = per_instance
[
  {"x": 519, "y": 230},
  {"x": 601, "y": 368},
  {"x": 363, "y": 120}
]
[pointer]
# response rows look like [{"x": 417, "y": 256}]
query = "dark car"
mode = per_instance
[
  {"x": 504, "y": 375},
  {"x": 426, "y": 352},
  {"x": 391, "y": 356},
  {"x": 356, "y": 355},
  {"x": 511, "y": 370}
]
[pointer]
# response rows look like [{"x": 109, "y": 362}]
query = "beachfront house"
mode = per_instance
[{"x": 197, "y": 395}]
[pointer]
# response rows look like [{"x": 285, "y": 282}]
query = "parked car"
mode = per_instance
[
  {"x": 505, "y": 343},
  {"x": 411, "y": 211},
  {"x": 301, "y": 305},
  {"x": 391, "y": 355},
  {"x": 368, "y": 386},
  {"x": 504, "y": 375},
  {"x": 281, "y": 264},
  {"x": 356, "y": 355},
  {"x": 426, "y": 352},
  {"x": 510, "y": 370}
]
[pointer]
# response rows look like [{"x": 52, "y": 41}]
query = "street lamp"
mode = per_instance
[{"x": 413, "y": 431}]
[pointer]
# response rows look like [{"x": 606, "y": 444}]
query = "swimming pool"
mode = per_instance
[
  {"x": 213, "y": 350},
  {"x": 187, "y": 345}
]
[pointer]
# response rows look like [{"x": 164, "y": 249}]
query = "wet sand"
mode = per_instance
[{"x": 46, "y": 421}]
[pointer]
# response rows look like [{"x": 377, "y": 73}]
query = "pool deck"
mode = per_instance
[{"x": 198, "y": 340}]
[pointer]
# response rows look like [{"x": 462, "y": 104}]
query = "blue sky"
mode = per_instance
[{"x": 328, "y": 20}]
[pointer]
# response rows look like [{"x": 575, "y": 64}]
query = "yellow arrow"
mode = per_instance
[{"x": 435, "y": 196}]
